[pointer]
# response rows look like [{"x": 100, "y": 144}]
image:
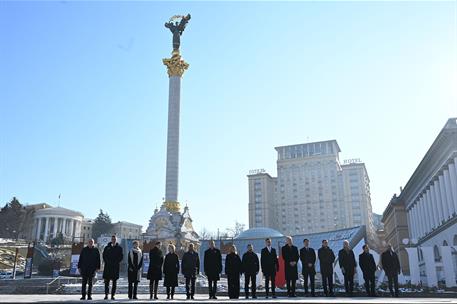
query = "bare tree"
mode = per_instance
[
  {"x": 205, "y": 234},
  {"x": 236, "y": 230}
]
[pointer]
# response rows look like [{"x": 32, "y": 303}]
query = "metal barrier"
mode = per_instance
[{"x": 57, "y": 279}]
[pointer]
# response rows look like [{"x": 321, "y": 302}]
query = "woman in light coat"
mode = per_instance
[{"x": 135, "y": 262}]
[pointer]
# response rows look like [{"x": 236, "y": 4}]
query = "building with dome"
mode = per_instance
[{"x": 51, "y": 221}]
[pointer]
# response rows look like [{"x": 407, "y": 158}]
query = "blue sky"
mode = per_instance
[{"x": 83, "y": 97}]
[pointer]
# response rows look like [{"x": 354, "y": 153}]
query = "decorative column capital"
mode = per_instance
[
  {"x": 176, "y": 66},
  {"x": 172, "y": 206}
]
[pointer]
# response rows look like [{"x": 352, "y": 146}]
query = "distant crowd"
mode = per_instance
[{"x": 167, "y": 267}]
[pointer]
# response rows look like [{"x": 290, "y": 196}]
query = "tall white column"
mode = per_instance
[
  {"x": 413, "y": 221},
  {"x": 38, "y": 231},
  {"x": 72, "y": 228},
  {"x": 54, "y": 232},
  {"x": 447, "y": 213},
  {"x": 46, "y": 229},
  {"x": 427, "y": 220},
  {"x": 410, "y": 223},
  {"x": 78, "y": 229},
  {"x": 439, "y": 204},
  {"x": 455, "y": 165},
  {"x": 434, "y": 214},
  {"x": 418, "y": 221},
  {"x": 449, "y": 195},
  {"x": 453, "y": 178},
  {"x": 422, "y": 218},
  {"x": 64, "y": 226}
]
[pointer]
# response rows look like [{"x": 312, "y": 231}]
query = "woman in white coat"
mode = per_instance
[{"x": 135, "y": 262}]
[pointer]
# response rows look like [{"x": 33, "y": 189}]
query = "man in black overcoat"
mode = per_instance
[
  {"x": 250, "y": 268},
  {"x": 346, "y": 259},
  {"x": 112, "y": 257},
  {"x": 290, "y": 255},
  {"x": 155, "y": 269},
  {"x": 270, "y": 265},
  {"x": 391, "y": 265},
  {"x": 212, "y": 265},
  {"x": 308, "y": 261},
  {"x": 190, "y": 268},
  {"x": 88, "y": 264},
  {"x": 326, "y": 260},
  {"x": 368, "y": 267}
]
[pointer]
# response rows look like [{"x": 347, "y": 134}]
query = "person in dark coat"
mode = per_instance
[
  {"x": 391, "y": 265},
  {"x": 212, "y": 265},
  {"x": 233, "y": 271},
  {"x": 270, "y": 265},
  {"x": 112, "y": 257},
  {"x": 368, "y": 266},
  {"x": 171, "y": 271},
  {"x": 155, "y": 269},
  {"x": 326, "y": 260},
  {"x": 250, "y": 268},
  {"x": 134, "y": 272},
  {"x": 290, "y": 255},
  {"x": 88, "y": 264},
  {"x": 346, "y": 259},
  {"x": 190, "y": 268},
  {"x": 308, "y": 261}
]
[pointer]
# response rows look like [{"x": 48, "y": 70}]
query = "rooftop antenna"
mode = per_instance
[{"x": 58, "y": 204}]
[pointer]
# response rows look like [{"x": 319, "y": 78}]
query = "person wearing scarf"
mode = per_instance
[
  {"x": 171, "y": 271},
  {"x": 135, "y": 262}
]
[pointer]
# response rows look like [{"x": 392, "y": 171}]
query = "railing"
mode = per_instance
[{"x": 53, "y": 282}]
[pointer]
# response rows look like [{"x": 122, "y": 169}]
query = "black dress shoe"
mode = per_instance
[
  {"x": 192, "y": 297},
  {"x": 274, "y": 296},
  {"x": 83, "y": 298},
  {"x": 106, "y": 297},
  {"x": 89, "y": 298},
  {"x": 112, "y": 298}
]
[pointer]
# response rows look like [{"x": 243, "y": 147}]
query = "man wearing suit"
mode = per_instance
[
  {"x": 212, "y": 265},
  {"x": 308, "y": 261},
  {"x": 290, "y": 255},
  {"x": 391, "y": 265},
  {"x": 270, "y": 265},
  {"x": 326, "y": 259},
  {"x": 368, "y": 266}
]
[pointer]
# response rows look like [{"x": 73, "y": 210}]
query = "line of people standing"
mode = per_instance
[
  {"x": 389, "y": 262},
  {"x": 168, "y": 266}
]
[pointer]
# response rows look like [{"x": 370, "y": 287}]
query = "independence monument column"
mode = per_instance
[{"x": 175, "y": 67}]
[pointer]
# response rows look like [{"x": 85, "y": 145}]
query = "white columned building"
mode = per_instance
[
  {"x": 57, "y": 220},
  {"x": 430, "y": 196}
]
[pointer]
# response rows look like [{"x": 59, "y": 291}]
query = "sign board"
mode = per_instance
[
  {"x": 352, "y": 161},
  {"x": 256, "y": 171},
  {"x": 74, "y": 264},
  {"x": 29, "y": 262}
]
